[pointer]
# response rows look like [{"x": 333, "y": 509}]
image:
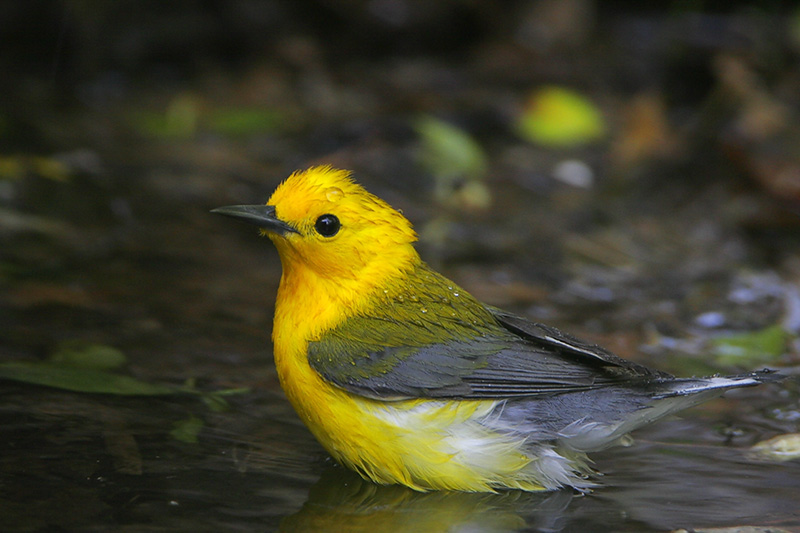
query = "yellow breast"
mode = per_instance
[{"x": 423, "y": 444}]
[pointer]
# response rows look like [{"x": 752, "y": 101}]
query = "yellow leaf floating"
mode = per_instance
[
  {"x": 18, "y": 166},
  {"x": 559, "y": 117},
  {"x": 780, "y": 448}
]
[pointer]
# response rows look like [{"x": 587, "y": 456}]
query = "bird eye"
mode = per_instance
[{"x": 327, "y": 225}]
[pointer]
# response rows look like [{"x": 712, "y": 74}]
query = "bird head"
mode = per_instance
[{"x": 321, "y": 220}]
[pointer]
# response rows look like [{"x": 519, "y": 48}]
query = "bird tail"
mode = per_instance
[
  {"x": 670, "y": 396},
  {"x": 710, "y": 386}
]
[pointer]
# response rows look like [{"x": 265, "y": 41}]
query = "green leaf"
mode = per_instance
[
  {"x": 80, "y": 379},
  {"x": 178, "y": 121},
  {"x": 683, "y": 364},
  {"x": 457, "y": 163},
  {"x": 12, "y": 167},
  {"x": 232, "y": 392},
  {"x": 751, "y": 348},
  {"x": 17, "y": 166},
  {"x": 215, "y": 402},
  {"x": 244, "y": 121},
  {"x": 448, "y": 150},
  {"x": 559, "y": 117},
  {"x": 81, "y": 354},
  {"x": 187, "y": 430}
]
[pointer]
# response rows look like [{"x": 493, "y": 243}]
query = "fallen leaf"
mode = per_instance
[
  {"x": 781, "y": 448},
  {"x": 80, "y": 379},
  {"x": 559, "y": 117},
  {"x": 751, "y": 348}
]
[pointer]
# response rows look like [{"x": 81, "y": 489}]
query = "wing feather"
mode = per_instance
[
  {"x": 435, "y": 346},
  {"x": 501, "y": 362}
]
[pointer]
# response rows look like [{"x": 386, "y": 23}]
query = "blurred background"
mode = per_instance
[{"x": 630, "y": 174}]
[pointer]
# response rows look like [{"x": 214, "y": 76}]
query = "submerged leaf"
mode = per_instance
[
  {"x": 216, "y": 400},
  {"x": 80, "y": 379},
  {"x": 187, "y": 430},
  {"x": 751, "y": 348},
  {"x": 81, "y": 354},
  {"x": 215, "y": 403}
]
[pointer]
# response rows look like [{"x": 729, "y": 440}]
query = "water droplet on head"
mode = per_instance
[
  {"x": 413, "y": 298},
  {"x": 334, "y": 194},
  {"x": 423, "y": 309},
  {"x": 455, "y": 294},
  {"x": 399, "y": 298}
]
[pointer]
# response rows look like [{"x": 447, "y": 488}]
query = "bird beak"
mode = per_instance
[{"x": 262, "y": 216}]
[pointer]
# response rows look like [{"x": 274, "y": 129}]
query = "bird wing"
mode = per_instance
[
  {"x": 382, "y": 358},
  {"x": 569, "y": 346}
]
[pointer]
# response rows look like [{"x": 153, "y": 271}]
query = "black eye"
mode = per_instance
[{"x": 327, "y": 225}]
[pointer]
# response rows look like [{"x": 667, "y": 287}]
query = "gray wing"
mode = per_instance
[
  {"x": 379, "y": 358},
  {"x": 571, "y": 347}
]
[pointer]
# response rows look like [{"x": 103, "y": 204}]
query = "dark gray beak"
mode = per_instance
[{"x": 262, "y": 216}]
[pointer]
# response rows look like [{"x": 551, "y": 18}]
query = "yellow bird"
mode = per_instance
[{"x": 407, "y": 379}]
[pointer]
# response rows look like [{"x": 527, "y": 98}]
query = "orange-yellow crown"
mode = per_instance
[{"x": 371, "y": 230}]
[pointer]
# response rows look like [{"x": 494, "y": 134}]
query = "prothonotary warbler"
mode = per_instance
[{"x": 406, "y": 378}]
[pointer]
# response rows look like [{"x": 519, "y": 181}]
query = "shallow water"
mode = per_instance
[
  {"x": 88, "y": 463},
  {"x": 187, "y": 299},
  {"x": 186, "y": 295}
]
